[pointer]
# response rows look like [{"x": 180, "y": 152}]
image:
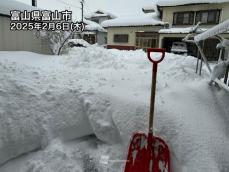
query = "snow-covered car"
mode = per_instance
[
  {"x": 77, "y": 43},
  {"x": 179, "y": 48}
]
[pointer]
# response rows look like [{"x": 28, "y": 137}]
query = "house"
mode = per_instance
[
  {"x": 99, "y": 16},
  {"x": 182, "y": 15},
  {"x": 19, "y": 40},
  {"x": 94, "y": 32},
  {"x": 129, "y": 33}
]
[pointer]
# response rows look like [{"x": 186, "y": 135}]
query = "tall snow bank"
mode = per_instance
[{"x": 36, "y": 106}]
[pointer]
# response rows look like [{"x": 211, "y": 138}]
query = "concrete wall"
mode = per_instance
[
  {"x": 168, "y": 11},
  {"x": 21, "y": 40},
  {"x": 130, "y": 31}
]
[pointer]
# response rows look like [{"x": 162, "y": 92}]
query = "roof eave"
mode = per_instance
[
  {"x": 135, "y": 25},
  {"x": 161, "y": 6}
]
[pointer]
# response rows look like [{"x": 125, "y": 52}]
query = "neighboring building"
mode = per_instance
[
  {"x": 19, "y": 40},
  {"x": 182, "y": 15},
  {"x": 129, "y": 33},
  {"x": 94, "y": 32},
  {"x": 99, "y": 16}
]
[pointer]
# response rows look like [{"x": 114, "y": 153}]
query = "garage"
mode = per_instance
[{"x": 209, "y": 47}]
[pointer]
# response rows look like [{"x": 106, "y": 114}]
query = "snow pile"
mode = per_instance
[
  {"x": 186, "y": 2},
  {"x": 7, "y": 6},
  {"x": 142, "y": 20},
  {"x": 219, "y": 70},
  {"x": 99, "y": 98},
  {"x": 36, "y": 107},
  {"x": 79, "y": 41}
]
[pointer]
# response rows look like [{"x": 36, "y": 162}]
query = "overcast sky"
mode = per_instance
[{"x": 117, "y": 7}]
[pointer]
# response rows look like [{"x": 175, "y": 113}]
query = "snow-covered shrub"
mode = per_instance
[{"x": 57, "y": 40}]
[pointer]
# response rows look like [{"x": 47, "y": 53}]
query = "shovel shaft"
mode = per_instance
[
  {"x": 153, "y": 86},
  {"x": 152, "y": 98}
]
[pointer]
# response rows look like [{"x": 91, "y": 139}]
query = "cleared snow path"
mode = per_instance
[{"x": 50, "y": 100}]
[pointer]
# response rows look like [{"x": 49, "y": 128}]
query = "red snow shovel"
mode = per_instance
[{"x": 149, "y": 154}]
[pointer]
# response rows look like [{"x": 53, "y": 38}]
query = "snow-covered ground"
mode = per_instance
[{"x": 77, "y": 112}]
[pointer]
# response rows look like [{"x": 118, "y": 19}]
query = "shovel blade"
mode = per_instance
[
  {"x": 136, "y": 158},
  {"x": 147, "y": 154}
]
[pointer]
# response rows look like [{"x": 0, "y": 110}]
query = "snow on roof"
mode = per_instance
[
  {"x": 93, "y": 26},
  {"x": 180, "y": 30},
  {"x": 143, "y": 20},
  {"x": 186, "y": 2},
  {"x": 176, "y": 30},
  {"x": 8, "y": 5},
  {"x": 100, "y": 13}
]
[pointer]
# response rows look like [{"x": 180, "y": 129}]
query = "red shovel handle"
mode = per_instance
[
  {"x": 160, "y": 50},
  {"x": 155, "y": 62}
]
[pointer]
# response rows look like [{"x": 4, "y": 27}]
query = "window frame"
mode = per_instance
[
  {"x": 216, "y": 19},
  {"x": 118, "y": 41},
  {"x": 146, "y": 40},
  {"x": 191, "y": 17}
]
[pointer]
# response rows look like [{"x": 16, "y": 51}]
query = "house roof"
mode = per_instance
[
  {"x": 100, "y": 13},
  {"x": 8, "y": 5},
  {"x": 164, "y": 3},
  {"x": 143, "y": 20},
  {"x": 93, "y": 26}
]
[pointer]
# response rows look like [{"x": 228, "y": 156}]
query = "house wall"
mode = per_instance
[
  {"x": 131, "y": 31},
  {"x": 168, "y": 11},
  {"x": 21, "y": 40}
]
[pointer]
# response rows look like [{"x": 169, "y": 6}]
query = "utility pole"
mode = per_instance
[
  {"x": 34, "y": 3},
  {"x": 82, "y": 10}
]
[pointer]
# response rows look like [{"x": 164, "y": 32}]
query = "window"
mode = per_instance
[
  {"x": 146, "y": 40},
  {"x": 208, "y": 17},
  {"x": 183, "y": 18},
  {"x": 121, "y": 38}
]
